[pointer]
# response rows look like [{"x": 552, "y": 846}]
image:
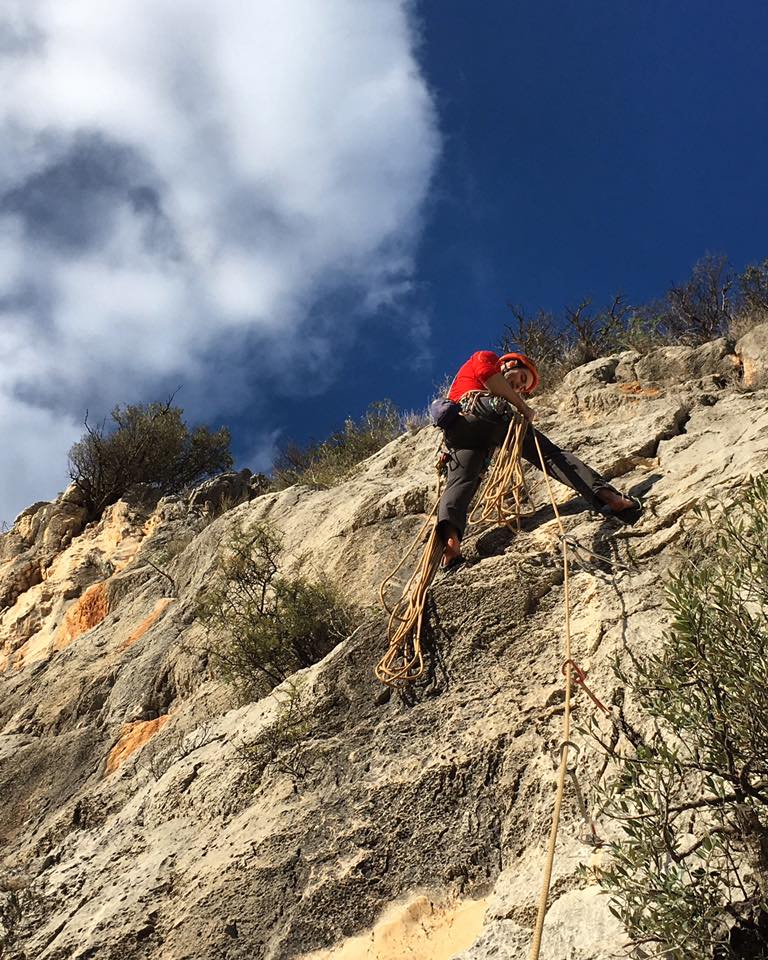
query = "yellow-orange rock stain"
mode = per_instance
[
  {"x": 84, "y": 614},
  {"x": 133, "y": 737},
  {"x": 635, "y": 388},
  {"x": 416, "y": 930},
  {"x": 152, "y": 619}
]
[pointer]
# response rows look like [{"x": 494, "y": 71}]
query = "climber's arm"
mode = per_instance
[{"x": 500, "y": 388}]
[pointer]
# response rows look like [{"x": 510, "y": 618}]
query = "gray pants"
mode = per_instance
[{"x": 471, "y": 440}]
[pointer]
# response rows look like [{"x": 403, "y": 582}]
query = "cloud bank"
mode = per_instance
[{"x": 182, "y": 184}]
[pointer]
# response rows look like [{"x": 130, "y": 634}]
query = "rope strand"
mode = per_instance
[
  {"x": 565, "y": 743},
  {"x": 404, "y": 661},
  {"x": 505, "y": 481}
]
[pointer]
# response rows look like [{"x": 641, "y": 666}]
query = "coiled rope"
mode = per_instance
[
  {"x": 500, "y": 502},
  {"x": 404, "y": 660},
  {"x": 501, "y": 498}
]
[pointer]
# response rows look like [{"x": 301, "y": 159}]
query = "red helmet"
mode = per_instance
[{"x": 520, "y": 360}]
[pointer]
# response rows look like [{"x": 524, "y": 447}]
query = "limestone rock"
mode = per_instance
[
  {"x": 222, "y": 492},
  {"x": 145, "y": 815},
  {"x": 682, "y": 363},
  {"x": 752, "y": 349}
]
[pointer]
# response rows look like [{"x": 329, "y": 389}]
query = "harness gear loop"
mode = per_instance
[{"x": 579, "y": 677}]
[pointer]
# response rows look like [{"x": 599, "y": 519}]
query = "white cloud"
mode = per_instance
[
  {"x": 177, "y": 176},
  {"x": 36, "y": 442}
]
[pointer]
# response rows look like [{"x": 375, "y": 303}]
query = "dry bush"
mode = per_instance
[
  {"x": 701, "y": 308},
  {"x": 327, "y": 462},
  {"x": 146, "y": 443}
]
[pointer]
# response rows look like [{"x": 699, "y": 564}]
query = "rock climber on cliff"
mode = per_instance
[{"x": 474, "y": 419}]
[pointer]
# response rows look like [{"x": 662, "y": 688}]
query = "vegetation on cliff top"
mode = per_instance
[
  {"x": 713, "y": 302},
  {"x": 146, "y": 443},
  {"x": 151, "y": 444}
]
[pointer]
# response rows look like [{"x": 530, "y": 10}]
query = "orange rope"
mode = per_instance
[
  {"x": 501, "y": 498},
  {"x": 565, "y": 743}
]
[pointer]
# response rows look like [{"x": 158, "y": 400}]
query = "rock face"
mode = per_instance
[
  {"x": 143, "y": 815},
  {"x": 752, "y": 349}
]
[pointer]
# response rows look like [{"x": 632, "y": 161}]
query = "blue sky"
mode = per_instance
[
  {"x": 295, "y": 207},
  {"x": 587, "y": 148}
]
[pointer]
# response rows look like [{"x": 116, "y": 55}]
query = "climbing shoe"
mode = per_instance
[{"x": 630, "y": 515}]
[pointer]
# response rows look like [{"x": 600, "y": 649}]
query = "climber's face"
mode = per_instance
[{"x": 519, "y": 378}]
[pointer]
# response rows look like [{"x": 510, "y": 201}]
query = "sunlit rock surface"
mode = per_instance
[{"x": 132, "y": 823}]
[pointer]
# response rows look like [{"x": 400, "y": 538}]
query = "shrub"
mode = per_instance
[
  {"x": 753, "y": 299},
  {"x": 711, "y": 303},
  {"x": 148, "y": 443},
  {"x": 282, "y": 742},
  {"x": 701, "y": 308},
  {"x": 266, "y": 625},
  {"x": 540, "y": 338},
  {"x": 689, "y": 873},
  {"x": 594, "y": 333},
  {"x": 581, "y": 335},
  {"x": 328, "y": 462}
]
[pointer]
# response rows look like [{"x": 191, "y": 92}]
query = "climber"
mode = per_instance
[{"x": 474, "y": 419}]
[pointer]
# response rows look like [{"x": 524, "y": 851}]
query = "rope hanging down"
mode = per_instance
[
  {"x": 572, "y": 674},
  {"x": 404, "y": 660},
  {"x": 565, "y": 743},
  {"x": 501, "y": 498}
]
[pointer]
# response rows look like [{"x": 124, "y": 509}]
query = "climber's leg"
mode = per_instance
[
  {"x": 464, "y": 471},
  {"x": 574, "y": 473}
]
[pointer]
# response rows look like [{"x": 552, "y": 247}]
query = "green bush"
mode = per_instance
[
  {"x": 328, "y": 462},
  {"x": 689, "y": 873},
  {"x": 266, "y": 625},
  {"x": 147, "y": 443}
]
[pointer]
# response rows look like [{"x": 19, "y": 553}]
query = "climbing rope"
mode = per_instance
[
  {"x": 500, "y": 502},
  {"x": 404, "y": 660},
  {"x": 502, "y": 495},
  {"x": 565, "y": 743}
]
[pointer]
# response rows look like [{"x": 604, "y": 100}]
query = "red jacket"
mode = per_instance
[{"x": 474, "y": 373}]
